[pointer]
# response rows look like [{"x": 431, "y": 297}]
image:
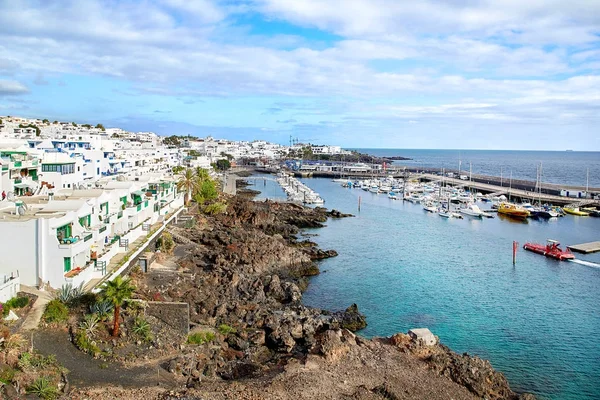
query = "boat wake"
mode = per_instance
[{"x": 587, "y": 263}]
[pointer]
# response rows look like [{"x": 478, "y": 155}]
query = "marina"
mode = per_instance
[{"x": 408, "y": 267}]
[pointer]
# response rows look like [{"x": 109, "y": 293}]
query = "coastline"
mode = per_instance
[{"x": 247, "y": 269}]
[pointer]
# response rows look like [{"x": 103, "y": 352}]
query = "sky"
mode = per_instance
[{"x": 459, "y": 74}]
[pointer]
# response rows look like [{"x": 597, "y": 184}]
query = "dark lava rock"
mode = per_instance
[{"x": 351, "y": 318}]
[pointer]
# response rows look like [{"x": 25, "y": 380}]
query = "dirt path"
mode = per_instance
[
  {"x": 37, "y": 310},
  {"x": 84, "y": 371}
]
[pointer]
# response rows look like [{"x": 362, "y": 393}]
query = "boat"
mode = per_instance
[
  {"x": 445, "y": 214},
  {"x": 592, "y": 211},
  {"x": 393, "y": 196},
  {"x": 550, "y": 249},
  {"x": 513, "y": 210},
  {"x": 430, "y": 207},
  {"x": 472, "y": 210},
  {"x": 575, "y": 211}
]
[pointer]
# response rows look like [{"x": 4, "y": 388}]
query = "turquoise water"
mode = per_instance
[
  {"x": 559, "y": 167},
  {"x": 537, "y": 322}
]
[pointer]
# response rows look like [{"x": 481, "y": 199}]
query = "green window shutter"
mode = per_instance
[{"x": 67, "y": 264}]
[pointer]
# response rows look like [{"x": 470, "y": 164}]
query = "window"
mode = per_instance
[
  {"x": 85, "y": 221},
  {"x": 63, "y": 232}
]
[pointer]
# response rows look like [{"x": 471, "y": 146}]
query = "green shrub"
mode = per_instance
[
  {"x": 43, "y": 388},
  {"x": 215, "y": 208},
  {"x": 17, "y": 302},
  {"x": 56, "y": 311},
  {"x": 141, "y": 328},
  {"x": 167, "y": 244},
  {"x": 6, "y": 374},
  {"x": 225, "y": 329},
  {"x": 201, "y": 337},
  {"x": 85, "y": 344},
  {"x": 35, "y": 360}
]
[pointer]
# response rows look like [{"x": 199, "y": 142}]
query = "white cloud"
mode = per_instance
[
  {"x": 12, "y": 88},
  {"x": 481, "y": 60},
  {"x": 539, "y": 21}
]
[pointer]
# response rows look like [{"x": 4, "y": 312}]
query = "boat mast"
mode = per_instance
[
  {"x": 587, "y": 183},
  {"x": 470, "y": 178},
  {"x": 540, "y": 185},
  {"x": 509, "y": 185}
]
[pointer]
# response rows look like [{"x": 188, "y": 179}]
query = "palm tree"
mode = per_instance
[
  {"x": 201, "y": 175},
  {"x": 117, "y": 291},
  {"x": 188, "y": 182}
]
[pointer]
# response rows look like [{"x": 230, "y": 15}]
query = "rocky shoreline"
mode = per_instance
[{"x": 242, "y": 273}]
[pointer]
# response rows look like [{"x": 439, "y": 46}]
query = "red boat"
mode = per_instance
[{"x": 550, "y": 249}]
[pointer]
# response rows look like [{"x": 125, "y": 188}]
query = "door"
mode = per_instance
[{"x": 67, "y": 264}]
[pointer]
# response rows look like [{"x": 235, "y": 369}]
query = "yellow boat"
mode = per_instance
[
  {"x": 513, "y": 210},
  {"x": 575, "y": 211}
]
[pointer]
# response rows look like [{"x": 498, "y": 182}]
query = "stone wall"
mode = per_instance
[{"x": 176, "y": 315}]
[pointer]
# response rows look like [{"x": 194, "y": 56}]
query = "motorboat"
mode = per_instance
[
  {"x": 575, "y": 211},
  {"x": 472, "y": 210},
  {"x": 550, "y": 249},
  {"x": 430, "y": 207},
  {"x": 393, "y": 196},
  {"x": 592, "y": 211},
  {"x": 513, "y": 210}
]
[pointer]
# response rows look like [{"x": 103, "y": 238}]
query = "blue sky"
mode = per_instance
[{"x": 489, "y": 74}]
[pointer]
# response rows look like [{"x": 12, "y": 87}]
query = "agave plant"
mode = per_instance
[
  {"x": 141, "y": 327},
  {"x": 67, "y": 293},
  {"x": 90, "y": 324},
  {"x": 102, "y": 309}
]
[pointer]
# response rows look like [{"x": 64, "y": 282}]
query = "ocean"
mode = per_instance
[
  {"x": 560, "y": 167},
  {"x": 536, "y": 321}
]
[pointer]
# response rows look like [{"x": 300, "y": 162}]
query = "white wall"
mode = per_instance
[
  {"x": 9, "y": 287},
  {"x": 18, "y": 250}
]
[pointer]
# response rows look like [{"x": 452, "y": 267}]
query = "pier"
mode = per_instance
[
  {"x": 515, "y": 188},
  {"x": 586, "y": 248}
]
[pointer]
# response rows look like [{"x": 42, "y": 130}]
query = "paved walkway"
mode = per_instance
[{"x": 37, "y": 310}]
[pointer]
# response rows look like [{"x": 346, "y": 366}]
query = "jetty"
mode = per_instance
[{"x": 586, "y": 248}]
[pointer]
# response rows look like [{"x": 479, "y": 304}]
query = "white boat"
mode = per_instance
[
  {"x": 430, "y": 207},
  {"x": 413, "y": 198},
  {"x": 393, "y": 196},
  {"x": 446, "y": 214},
  {"x": 472, "y": 210}
]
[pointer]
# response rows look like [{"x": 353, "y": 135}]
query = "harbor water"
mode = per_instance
[
  {"x": 536, "y": 321},
  {"x": 560, "y": 167}
]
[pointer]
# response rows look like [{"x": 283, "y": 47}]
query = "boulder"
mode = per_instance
[{"x": 351, "y": 319}]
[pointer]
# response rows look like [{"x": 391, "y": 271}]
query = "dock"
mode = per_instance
[{"x": 585, "y": 248}]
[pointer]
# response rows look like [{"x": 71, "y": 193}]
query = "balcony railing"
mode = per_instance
[
  {"x": 102, "y": 229},
  {"x": 88, "y": 237}
]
